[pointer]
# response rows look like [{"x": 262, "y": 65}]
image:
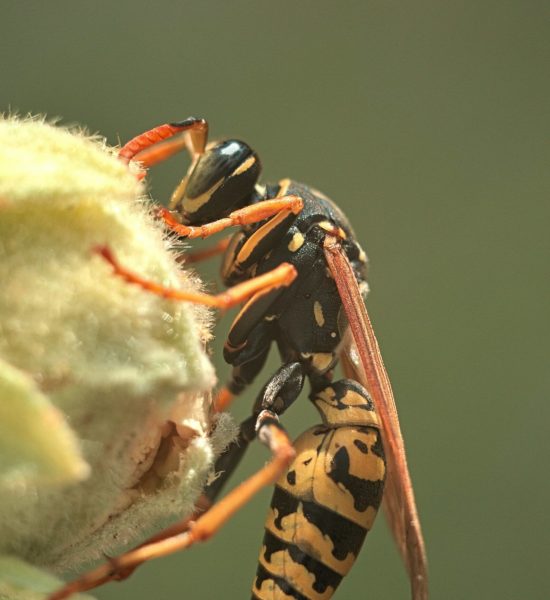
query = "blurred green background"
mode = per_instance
[{"x": 428, "y": 123}]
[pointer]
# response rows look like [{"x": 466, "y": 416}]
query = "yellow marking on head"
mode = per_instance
[
  {"x": 342, "y": 233},
  {"x": 282, "y": 564},
  {"x": 296, "y": 242},
  {"x": 318, "y": 312},
  {"x": 244, "y": 166},
  {"x": 270, "y": 317},
  {"x": 178, "y": 193},
  {"x": 191, "y": 205},
  {"x": 362, "y": 255}
]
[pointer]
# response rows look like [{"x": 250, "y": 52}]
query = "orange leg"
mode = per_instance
[
  {"x": 283, "y": 275},
  {"x": 155, "y": 145},
  {"x": 119, "y": 574},
  {"x": 223, "y": 400},
  {"x": 194, "y": 257},
  {"x": 244, "y": 216},
  {"x": 272, "y": 435}
]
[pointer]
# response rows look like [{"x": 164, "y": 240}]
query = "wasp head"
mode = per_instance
[{"x": 220, "y": 181}]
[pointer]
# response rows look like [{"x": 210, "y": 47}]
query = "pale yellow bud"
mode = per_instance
[{"x": 96, "y": 374}]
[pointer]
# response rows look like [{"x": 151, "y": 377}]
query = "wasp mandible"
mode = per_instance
[{"x": 297, "y": 266}]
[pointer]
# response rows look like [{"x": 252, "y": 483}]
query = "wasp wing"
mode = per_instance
[{"x": 399, "y": 502}]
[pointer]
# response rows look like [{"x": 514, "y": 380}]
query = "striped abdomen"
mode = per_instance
[{"x": 321, "y": 511}]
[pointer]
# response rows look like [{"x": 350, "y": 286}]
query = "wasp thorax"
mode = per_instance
[{"x": 223, "y": 180}]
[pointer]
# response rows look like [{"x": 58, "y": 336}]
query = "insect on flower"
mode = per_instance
[{"x": 296, "y": 265}]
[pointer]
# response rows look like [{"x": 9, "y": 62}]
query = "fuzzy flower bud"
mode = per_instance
[{"x": 104, "y": 387}]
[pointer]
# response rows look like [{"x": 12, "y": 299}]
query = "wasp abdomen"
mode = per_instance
[{"x": 321, "y": 511}]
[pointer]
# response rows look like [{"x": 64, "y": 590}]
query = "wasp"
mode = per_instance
[{"x": 297, "y": 269}]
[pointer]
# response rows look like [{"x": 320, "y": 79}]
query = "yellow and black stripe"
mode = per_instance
[{"x": 323, "y": 507}]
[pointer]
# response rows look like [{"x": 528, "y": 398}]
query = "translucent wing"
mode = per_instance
[{"x": 368, "y": 368}]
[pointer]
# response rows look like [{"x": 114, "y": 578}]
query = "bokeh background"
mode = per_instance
[{"x": 428, "y": 123}]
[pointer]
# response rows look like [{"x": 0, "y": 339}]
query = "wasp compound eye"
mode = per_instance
[{"x": 222, "y": 180}]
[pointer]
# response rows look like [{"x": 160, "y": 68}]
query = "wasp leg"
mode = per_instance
[
  {"x": 160, "y": 143},
  {"x": 245, "y": 369},
  {"x": 247, "y": 362},
  {"x": 248, "y": 344},
  {"x": 276, "y": 396},
  {"x": 229, "y": 460},
  {"x": 199, "y": 255},
  {"x": 270, "y": 433},
  {"x": 248, "y": 215},
  {"x": 282, "y": 389},
  {"x": 283, "y": 276},
  {"x": 323, "y": 507},
  {"x": 259, "y": 244}
]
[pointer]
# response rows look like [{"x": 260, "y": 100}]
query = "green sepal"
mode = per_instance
[
  {"x": 21, "y": 581},
  {"x": 36, "y": 443}
]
